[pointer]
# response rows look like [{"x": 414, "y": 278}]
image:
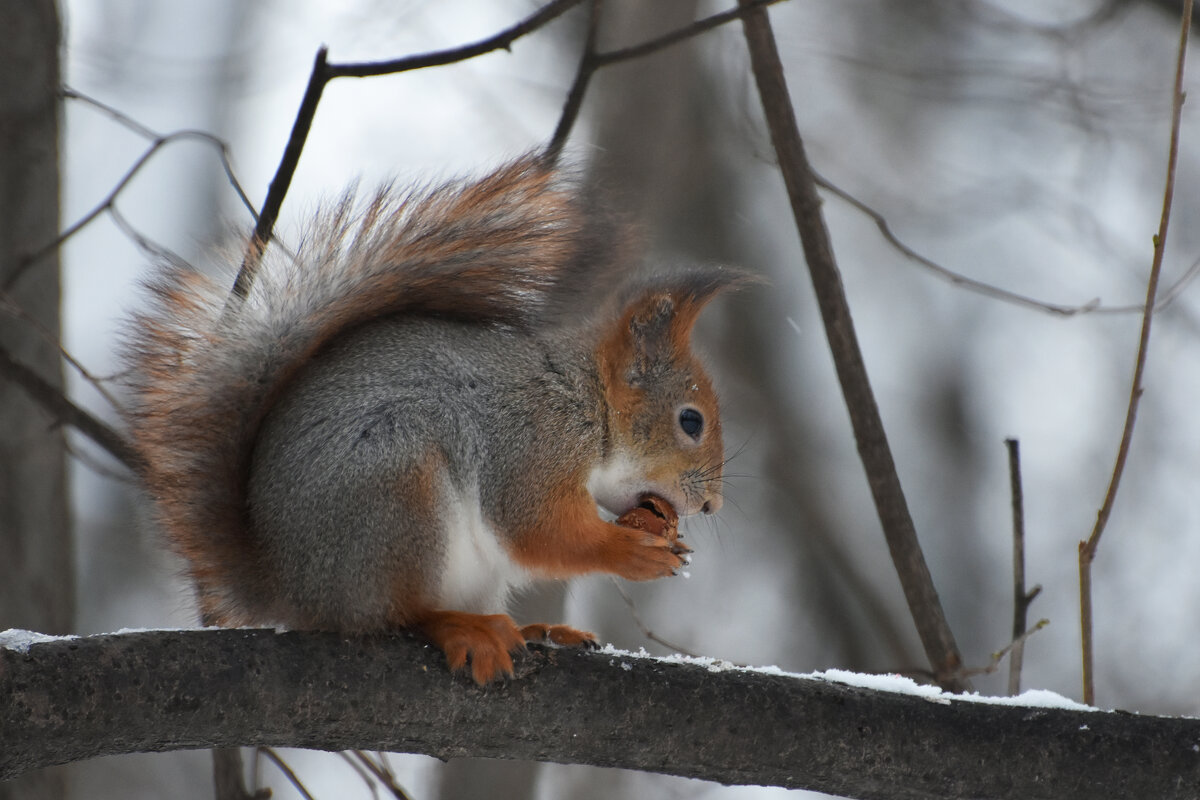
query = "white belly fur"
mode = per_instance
[{"x": 478, "y": 574}]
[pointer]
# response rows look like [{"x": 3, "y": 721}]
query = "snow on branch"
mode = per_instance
[{"x": 62, "y": 700}]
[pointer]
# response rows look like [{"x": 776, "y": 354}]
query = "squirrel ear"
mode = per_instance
[
  {"x": 653, "y": 336},
  {"x": 655, "y": 329}
]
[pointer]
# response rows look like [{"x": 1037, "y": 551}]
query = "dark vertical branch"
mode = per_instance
[
  {"x": 283, "y": 178},
  {"x": 1021, "y": 598},
  {"x": 873, "y": 448},
  {"x": 587, "y": 67},
  {"x": 1087, "y": 549},
  {"x": 228, "y": 783}
]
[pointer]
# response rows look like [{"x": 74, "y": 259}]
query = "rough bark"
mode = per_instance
[{"x": 163, "y": 690}]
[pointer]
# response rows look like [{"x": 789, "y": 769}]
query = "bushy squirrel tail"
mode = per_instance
[{"x": 202, "y": 378}]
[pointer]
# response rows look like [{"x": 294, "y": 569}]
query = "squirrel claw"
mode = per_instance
[
  {"x": 562, "y": 635},
  {"x": 486, "y": 642},
  {"x": 681, "y": 549}
]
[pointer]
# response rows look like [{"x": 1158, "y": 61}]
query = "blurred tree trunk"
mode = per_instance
[{"x": 36, "y": 567}]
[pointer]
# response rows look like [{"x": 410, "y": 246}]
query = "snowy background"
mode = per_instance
[{"x": 1020, "y": 143}]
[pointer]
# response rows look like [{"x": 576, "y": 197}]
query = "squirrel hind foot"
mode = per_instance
[
  {"x": 485, "y": 640},
  {"x": 562, "y": 635}
]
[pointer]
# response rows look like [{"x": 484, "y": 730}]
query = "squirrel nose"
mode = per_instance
[{"x": 711, "y": 506}]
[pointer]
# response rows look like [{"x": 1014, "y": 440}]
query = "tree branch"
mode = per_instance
[
  {"x": 265, "y": 225},
  {"x": 682, "y": 34},
  {"x": 583, "y": 75},
  {"x": 52, "y": 399},
  {"x": 322, "y": 73},
  {"x": 500, "y": 41},
  {"x": 873, "y": 448},
  {"x": 69, "y": 699},
  {"x": 1087, "y": 549},
  {"x": 1021, "y": 598}
]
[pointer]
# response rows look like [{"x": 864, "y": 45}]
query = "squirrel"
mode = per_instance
[{"x": 423, "y": 409}]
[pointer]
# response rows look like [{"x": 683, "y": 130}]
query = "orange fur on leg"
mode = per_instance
[{"x": 485, "y": 639}]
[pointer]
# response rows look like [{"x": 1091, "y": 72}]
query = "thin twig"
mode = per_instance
[
  {"x": 383, "y": 774},
  {"x": 591, "y": 61},
  {"x": 143, "y": 242},
  {"x": 11, "y": 307},
  {"x": 674, "y": 37},
  {"x": 363, "y": 774},
  {"x": 322, "y": 73},
  {"x": 993, "y": 663},
  {"x": 50, "y": 398},
  {"x": 287, "y": 771},
  {"x": 106, "y": 204},
  {"x": 956, "y": 278},
  {"x": 992, "y": 291},
  {"x": 222, "y": 146},
  {"x": 500, "y": 41},
  {"x": 1087, "y": 549},
  {"x": 649, "y": 634},
  {"x": 873, "y": 448},
  {"x": 1021, "y": 598},
  {"x": 1017, "y": 644}
]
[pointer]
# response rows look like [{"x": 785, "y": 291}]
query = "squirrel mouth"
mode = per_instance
[
  {"x": 657, "y": 516},
  {"x": 656, "y": 506}
]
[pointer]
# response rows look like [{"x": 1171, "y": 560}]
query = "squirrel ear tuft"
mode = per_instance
[
  {"x": 652, "y": 335},
  {"x": 659, "y": 314}
]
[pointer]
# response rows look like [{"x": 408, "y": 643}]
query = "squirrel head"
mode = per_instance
[{"x": 664, "y": 423}]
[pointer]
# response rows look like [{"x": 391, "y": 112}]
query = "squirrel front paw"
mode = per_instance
[
  {"x": 658, "y": 551},
  {"x": 486, "y": 640},
  {"x": 639, "y": 555}
]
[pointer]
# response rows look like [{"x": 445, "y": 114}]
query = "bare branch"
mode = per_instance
[
  {"x": 146, "y": 133},
  {"x": 675, "y": 37},
  {"x": 265, "y": 226},
  {"x": 1087, "y": 549},
  {"x": 1013, "y": 647},
  {"x": 992, "y": 291},
  {"x": 588, "y": 65},
  {"x": 591, "y": 61},
  {"x": 143, "y": 242},
  {"x": 361, "y": 772},
  {"x": 110, "y": 199},
  {"x": 225, "y": 688},
  {"x": 287, "y": 771},
  {"x": 12, "y": 308},
  {"x": 58, "y": 406},
  {"x": 228, "y": 782},
  {"x": 500, "y": 41},
  {"x": 956, "y": 278},
  {"x": 1021, "y": 598},
  {"x": 322, "y": 73},
  {"x": 382, "y": 774},
  {"x": 637, "y": 620},
  {"x": 873, "y": 447}
]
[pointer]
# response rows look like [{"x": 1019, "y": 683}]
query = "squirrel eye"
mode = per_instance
[{"x": 692, "y": 422}]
